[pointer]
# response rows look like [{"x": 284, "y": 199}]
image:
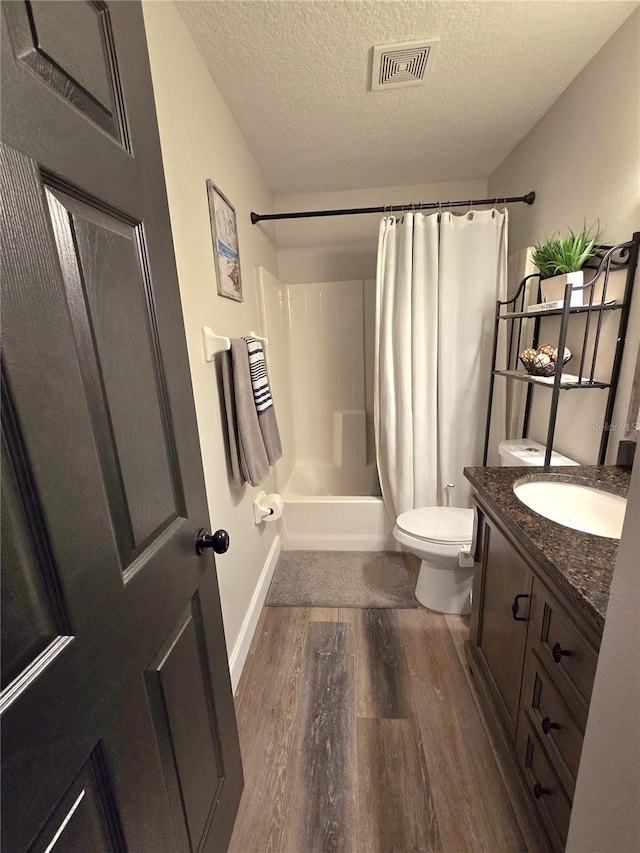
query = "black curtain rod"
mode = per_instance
[{"x": 529, "y": 198}]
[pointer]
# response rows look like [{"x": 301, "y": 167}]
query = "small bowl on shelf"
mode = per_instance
[{"x": 542, "y": 362}]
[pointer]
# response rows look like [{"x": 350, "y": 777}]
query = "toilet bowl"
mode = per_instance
[{"x": 441, "y": 537}]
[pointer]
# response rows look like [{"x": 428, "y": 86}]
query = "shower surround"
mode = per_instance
[{"x": 321, "y": 364}]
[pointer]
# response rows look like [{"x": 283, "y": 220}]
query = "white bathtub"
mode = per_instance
[{"x": 322, "y": 513}]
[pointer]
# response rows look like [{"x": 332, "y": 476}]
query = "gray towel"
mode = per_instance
[
  {"x": 249, "y": 460},
  {"x": 264, "y": 402}
]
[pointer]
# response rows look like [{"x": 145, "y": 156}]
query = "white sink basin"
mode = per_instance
[{"x": 573, "y": 505}]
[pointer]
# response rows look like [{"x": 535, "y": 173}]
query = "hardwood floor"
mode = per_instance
[{"x": 359, "y": 733}]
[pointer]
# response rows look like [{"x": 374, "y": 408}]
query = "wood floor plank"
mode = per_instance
[
  {"x": 347, "y": 614},
  {"x": 473, "y": 809},
  {"x": 419, "y": 726},
  {"x": 459, "y": 631},
  {"x": 324, "y": 614},
  {"x": 396, "y": 811},
  {"x": 382, "y": 677},
  {"x": 321, "y": 783},
  {"x": 265, "y": 714}
]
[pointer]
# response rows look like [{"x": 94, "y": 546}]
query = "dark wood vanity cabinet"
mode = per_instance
[
  {"x": 533, "y": 657},
  {"x": 501, "y": 601}
]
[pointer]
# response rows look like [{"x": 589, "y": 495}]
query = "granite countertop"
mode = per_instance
[{"x": 580, "y": 564}]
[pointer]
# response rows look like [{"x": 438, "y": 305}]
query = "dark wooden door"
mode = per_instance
[
  {"x": 502, "y": 633},
  {"x": 118, "y": 727}
]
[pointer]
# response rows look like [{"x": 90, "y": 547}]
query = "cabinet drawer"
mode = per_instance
[
  {"x": 552, "y": 803},
  {"x": 554, "y": 637},
  {"x": 558, "y": 726}
]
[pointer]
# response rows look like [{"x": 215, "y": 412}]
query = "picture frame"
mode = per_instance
[{"x": 224, "y": 233}]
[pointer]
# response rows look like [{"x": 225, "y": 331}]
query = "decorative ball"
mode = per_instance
[
  {"x": 527, "y": 357},
  {"x": 547, "y": 349},
  {"x": 542, "y": 362},
  {"x": 566, "y": 356},
  {"x": 543, "y": 365}
]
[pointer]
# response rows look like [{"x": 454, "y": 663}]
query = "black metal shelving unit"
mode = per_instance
[{"x": 513, "y": 313}]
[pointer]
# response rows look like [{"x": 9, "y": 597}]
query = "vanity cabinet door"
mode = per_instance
[
  {"x": 502, "y": 620},
  {"x": 558, "y": 723},
  {"x": 551, "y": 801},
  {"x": 563, "y": 647},
  {"x": 558, "y": 679}
]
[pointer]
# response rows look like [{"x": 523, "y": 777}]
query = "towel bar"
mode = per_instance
[{"x": 213, "y": 343}]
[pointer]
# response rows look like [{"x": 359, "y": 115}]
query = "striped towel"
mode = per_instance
[
  {"x": 262, "y": 399},
  {"x": 258, "y": 371},
  {"x": 248, "y": 455}
]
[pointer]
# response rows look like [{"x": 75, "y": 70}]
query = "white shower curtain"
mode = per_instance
[{"x": 438, "y": 279}]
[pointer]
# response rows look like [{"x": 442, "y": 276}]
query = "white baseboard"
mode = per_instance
[{"x": 241, "y": 649}]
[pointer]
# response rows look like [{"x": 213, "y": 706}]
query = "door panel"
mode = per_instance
[
  {"x": 81, "y": 70},
  {"x": 502, "y": 637},
  {"x": 83, "y": 61},
  {"x": 84, "y": 820},
  {"x": 102, "y": 262},
  {"x": 28, "y": 621},
  {"x": 43, "y": 376},
  {"x": 117, "y": 715},
  {"x": 185, "y": 720}
]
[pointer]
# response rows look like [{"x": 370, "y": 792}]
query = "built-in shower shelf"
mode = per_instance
[{"x": 568, "y": 380}]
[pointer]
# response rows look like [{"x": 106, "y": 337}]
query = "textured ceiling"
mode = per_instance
[{"x": 295, "y": 75}]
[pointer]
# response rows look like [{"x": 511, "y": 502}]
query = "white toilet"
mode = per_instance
[
  {"x": 441, "y": 537},
  {"x": 524, "y": 451}
]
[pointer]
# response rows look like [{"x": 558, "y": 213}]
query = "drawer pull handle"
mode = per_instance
[
  {"x": 547, "y": 725},
  {"x": 515, "y": 607},
  {"x": 558, "y": 653},
  {"x": 539, "y": 791}
]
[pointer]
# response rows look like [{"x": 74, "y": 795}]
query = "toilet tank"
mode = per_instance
[{"x": 525, "y": 451}]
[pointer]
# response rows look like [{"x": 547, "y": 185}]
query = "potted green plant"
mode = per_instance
[{"x": 561, "y": 261}]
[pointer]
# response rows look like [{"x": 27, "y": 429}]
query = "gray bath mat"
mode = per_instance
[{"x": 368, "y": 579}]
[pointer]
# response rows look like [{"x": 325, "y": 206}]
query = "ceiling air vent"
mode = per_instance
[{"x": 401, "y": 64}]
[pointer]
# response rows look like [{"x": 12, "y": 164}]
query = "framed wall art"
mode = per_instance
[{"x": 224, "y": 231}]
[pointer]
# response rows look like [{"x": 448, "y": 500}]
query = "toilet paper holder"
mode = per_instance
[{"x": 267, "y": 507}]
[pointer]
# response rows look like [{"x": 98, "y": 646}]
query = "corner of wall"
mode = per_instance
[{"x": 200, "y": 140}]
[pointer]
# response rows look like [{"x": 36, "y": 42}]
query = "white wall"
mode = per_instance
[
  {"x": 606, "y": 806},
  {"x": 275, "y": 323},
  {"x": 342, "y": 248},
  {"x": 201, "y": 140},
  {"x": 583, "y": 160}
]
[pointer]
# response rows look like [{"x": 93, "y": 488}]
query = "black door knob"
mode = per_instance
[{"x": 218, "y": 541}]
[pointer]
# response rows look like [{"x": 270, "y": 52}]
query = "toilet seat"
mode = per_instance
[{"x": 443, "y": 525}]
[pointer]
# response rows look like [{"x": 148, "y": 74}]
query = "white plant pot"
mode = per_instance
[{"x": 553, "y": 289}]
